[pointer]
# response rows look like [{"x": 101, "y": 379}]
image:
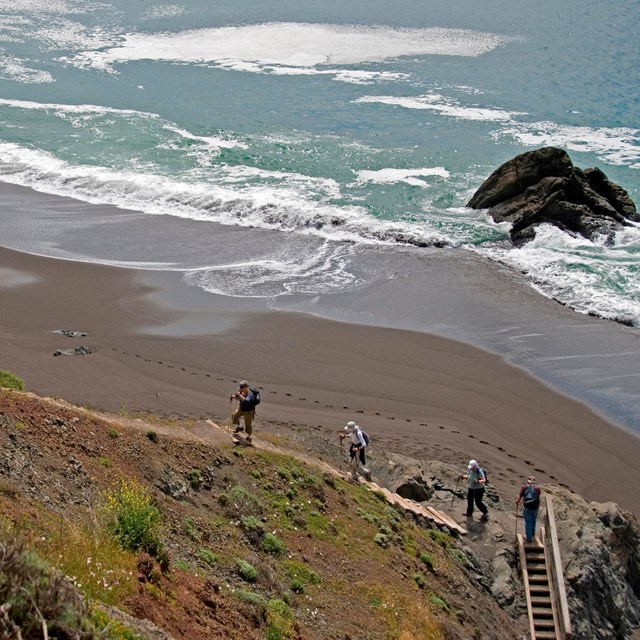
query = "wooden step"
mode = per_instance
[
  {"x": 542, "y": 612},
  {"x": 540, "y": 601},
  {"x": 546, "y": 635},
  {"x": 537, "y": 571},
  {"x": 540, "y": 578},
  {"x": 544, "y": 624}
]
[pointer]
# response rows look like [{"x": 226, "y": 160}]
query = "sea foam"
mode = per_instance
[
  {"x": 443, "y": 105},
  {"x": 293, "y": 45}
]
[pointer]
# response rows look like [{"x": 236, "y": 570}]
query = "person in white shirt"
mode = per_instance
[{"x": 356, "y": 451}]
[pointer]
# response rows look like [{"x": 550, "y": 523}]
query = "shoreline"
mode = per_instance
[
  {"x": 418, "y": 394},
  {"x": 452, "y": 293}
]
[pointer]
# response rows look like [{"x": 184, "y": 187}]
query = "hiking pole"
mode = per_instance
[
  {"x": 229, "y": 426},
  {"x": 455, "y": 491}
]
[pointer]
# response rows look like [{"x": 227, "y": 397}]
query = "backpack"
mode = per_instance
[
  {"x": 486, "y": 475},
  {"x": 530, "y": 497},
  {"x": 256, "y": 396},
  {"x": 366, "y": 437}
]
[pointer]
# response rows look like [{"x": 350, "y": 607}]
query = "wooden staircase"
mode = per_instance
[
  {"x": 544, "y": 584},
  {"x": 535, "y": 576}
]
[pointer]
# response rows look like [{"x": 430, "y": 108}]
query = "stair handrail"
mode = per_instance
[{"x": 556, "y": 572}]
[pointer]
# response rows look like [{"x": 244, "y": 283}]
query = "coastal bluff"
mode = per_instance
[{"x": 544, "y": 186}]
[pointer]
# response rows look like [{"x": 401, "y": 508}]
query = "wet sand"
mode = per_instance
[{"x": 418, "y": 394}]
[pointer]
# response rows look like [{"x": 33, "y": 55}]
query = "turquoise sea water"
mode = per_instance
[{"x": 335, "y": 124}]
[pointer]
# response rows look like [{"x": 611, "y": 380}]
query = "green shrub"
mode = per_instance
[
  {"x": 441, "y": 538},
  {"x": 427, "y": 559},
  {"x": 105, "y": 462},
  {"x": 418, "y": 578},
  {"x": 152, "y": 435},
  {"x": 195, "y": 479},
  {"x": 246, "y": 571},
  {"x": 35, "y": 591},
  {"x": 241, "y": 502},
  {"x": 250, "y": 597},
  {"x": 256, "y": 473},
  {"x": 297, "y": 586},
  {"x": 300, "y": 571},
  {"x": 113, "y": 433},
  {"x": 9, "y": 381},
  {"x": 251, "y": 523},
  {"x": 272, "y": 544},
  {"x": 279, "y": 620},
  {"x": 439, "y": 602},
  {"x": 181, "y": 565},
  {"x": 190, "y": 529},
  {"x": 381, "y": 539},
  {"x": 207, "y": 556},
  {"x": 133, "y": 520},
  {"x": 459, "y": 557}
]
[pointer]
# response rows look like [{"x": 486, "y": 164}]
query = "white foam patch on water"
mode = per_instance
[
  {"x": 69, "y": 108},
  {"x": 164, "y": 11},
  {"x": 292, "y": 45},
  {"x": 272, "y": 200},
  {"x": 14, "y": 69},
  {"x": 619, "y": 146},
  {"x": 51, "y": 6},
  {"x": 409, "y": 176},
  {"x": 590, "y": 277},
  {"x": 443, "y": 105},
  {"x": 66, "y": 34},
  {"x": 309, "y": 270},
  {"x": 211, "y": 142}
]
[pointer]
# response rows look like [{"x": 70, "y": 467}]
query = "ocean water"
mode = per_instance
[{"x": 332, "y": 125}]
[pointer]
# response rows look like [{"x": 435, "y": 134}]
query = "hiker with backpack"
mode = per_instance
[
  {"x": 529, "y": 496},
  {"x": 249, "y": 398},
  {"x": 359, "y": 442},
  {"x": 476, "y": 479}
]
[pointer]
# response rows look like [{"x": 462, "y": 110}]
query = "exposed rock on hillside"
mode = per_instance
[{"x": 544, "y": 186}]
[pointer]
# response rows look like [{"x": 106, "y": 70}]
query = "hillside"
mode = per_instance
[{"x": 252, "y": 543}]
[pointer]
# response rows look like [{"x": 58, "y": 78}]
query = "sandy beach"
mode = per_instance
[{"x": 418, "y": 394}]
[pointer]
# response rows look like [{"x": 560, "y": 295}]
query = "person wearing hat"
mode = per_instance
[
  {"x": 246, "y": 409},
  {"x": 476, "y": 480},
  {"x": 356, "y": 450},
  {"x": 530, "y": 497}
]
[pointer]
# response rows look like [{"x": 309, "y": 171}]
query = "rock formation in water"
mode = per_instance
[{"x": 544, "y": 186}]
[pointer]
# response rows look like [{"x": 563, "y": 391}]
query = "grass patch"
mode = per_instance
[
  {"x": 152, "y": 435},
  {"x": 9, "y": 381},
  {"x": 301, "y": 571},
  {"x": 207, "y": 556},
  {"x": 427, "y": 559},
  {"x": 113, "y": 433},
  {"x": 439, "y": 602}
]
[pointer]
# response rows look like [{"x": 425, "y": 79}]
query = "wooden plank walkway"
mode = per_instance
[{"x": 429, "y": 514}]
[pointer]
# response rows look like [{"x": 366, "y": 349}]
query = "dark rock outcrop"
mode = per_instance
[{"x": 544, "y": 186}]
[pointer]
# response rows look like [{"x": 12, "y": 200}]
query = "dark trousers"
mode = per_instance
[
  {"x": 353, "y": 451},
  {"x": 475, "y": 495}
]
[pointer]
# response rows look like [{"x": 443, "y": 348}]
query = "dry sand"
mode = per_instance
[{"x": 424, "y": 396}]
